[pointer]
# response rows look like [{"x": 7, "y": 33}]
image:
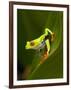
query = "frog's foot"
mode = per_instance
[{"x": 44, "y": 57}]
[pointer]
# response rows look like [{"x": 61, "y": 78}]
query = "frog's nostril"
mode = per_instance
[{"x": 32, "y": 43}]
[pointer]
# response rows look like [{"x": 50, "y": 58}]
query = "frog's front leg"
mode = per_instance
[{"x": 47, "y": 45}]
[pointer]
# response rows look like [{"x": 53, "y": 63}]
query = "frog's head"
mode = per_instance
[{"x": 29, "y": 45}]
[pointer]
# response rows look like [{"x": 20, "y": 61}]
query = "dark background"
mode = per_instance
[{"x": 30, "y": 25}]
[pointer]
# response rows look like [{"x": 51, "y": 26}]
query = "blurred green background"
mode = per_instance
[{"x": 30, "y": 25}]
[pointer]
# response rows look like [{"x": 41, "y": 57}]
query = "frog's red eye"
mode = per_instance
[{"x": 32, "y": 43}]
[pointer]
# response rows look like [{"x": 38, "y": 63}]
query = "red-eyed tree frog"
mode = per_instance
[{"x": 41, "y": 42}]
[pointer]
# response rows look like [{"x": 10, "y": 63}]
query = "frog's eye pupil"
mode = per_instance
[{"x": 32, "y": 43}]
